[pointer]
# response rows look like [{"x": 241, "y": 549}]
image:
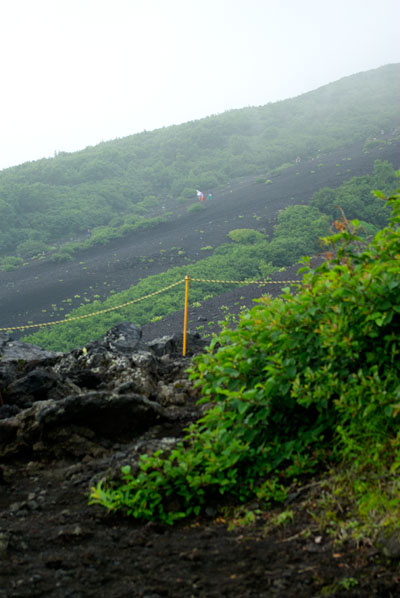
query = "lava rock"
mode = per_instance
[
  {"x": 38, "y": 385},
  {"x": 11, "y": 350},
  {"x": 122, "y": 338},
  {"x": 114, "y": 389}
]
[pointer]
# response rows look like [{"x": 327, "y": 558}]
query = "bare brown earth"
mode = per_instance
[{"x": 52, "y": 544}]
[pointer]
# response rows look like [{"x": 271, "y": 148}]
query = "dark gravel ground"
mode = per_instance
[{"x": 52, "y": 544}]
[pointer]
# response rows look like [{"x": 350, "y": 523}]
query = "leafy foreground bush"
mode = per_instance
[{"x": 304, "y": 382}]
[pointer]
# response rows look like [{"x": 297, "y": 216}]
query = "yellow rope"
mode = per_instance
[
  {"x": 95, "y": 313},
  {"x": 104, "y": 311},
  {"x": 246, "y": 282}
]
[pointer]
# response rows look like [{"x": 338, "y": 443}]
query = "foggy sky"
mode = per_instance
[{"x": 77, "y": 72}]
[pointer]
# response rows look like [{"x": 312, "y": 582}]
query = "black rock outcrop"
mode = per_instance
[{"x": 112, "y": 389}]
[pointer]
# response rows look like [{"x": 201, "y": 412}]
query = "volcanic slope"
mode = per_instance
[{"x": 28, "y": 294}]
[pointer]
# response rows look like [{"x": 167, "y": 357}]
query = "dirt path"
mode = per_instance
[
  {"x": 53, "y": 545},
  {"x": 29, "y": 293}
]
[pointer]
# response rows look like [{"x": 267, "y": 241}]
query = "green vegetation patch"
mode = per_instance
[
  {"x": 10, "y": 263},
  {"x": 196, "y": 207},
  {"x": 305, "y": 381},
  {"x": 245, "y": 235}
]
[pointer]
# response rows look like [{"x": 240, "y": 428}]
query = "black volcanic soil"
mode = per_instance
[{"x": 62, "y": 548}]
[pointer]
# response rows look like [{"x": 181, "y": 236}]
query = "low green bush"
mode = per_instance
[
  {"x": 102, "y": 235},
  {"x": 373, "y": 143},
  {"x": 304, "y": 380},
  {"x": 196, "y": 207},
  {"x": 61, "y": 256},
  {"x": 188, "y": 193},
  {"x": 8, "y": 267},
  {"x": 281, "y": 168},
  {"x": 245, "y": 235},
  {"x": 31, "y": 247},
  {"x": 10, "y": 263}
]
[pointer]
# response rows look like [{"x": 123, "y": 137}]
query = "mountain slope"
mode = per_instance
[
  {"x": 119, "y": 183},
  {"x": 36, "y": 292}
]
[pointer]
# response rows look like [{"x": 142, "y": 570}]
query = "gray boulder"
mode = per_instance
[
  {"x": 11, "y": 350},
  {"x": 173, "y": 344},
  {"x": 123, "y": 338}
]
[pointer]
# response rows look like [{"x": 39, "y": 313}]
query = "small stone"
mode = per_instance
[
  {"x": 16, "y": 506},
  {"x": 318, "y": 539},
  {"x": 33, "y": 505},
  {"x": 77, "y": 531}
]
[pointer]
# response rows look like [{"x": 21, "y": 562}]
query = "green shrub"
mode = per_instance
[
  {"x": 281, "y": 168},
  {"x": 61, "y": 256},
  {"x": 373, "y": 143},
  {"x": 355, "y": 198},
  {"x": 102, "y": 235},
  {"x": 8, "y": 267},
  {"x": 245, "y": 235},
  {"x": 285, "y": 251},
  {"x": 11, "y": 263},
  {"x": 31, "y": 247},
  {"x": 302, "y": 380},
  {"x": 188, "y": 193},
  {"x": 196, "y": 207}
]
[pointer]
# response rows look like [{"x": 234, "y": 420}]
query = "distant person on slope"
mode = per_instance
[
  {"x": 200, "y": 195},
  {"x": 210, "y": 195}
]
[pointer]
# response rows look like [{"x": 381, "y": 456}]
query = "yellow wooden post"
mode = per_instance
[{"x": 185, "y": 315}]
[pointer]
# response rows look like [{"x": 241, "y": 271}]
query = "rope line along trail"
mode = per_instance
[
  {"x": 246, "y": 282},
  {"x": 94, "y": 313},
  {"x": 167, "y": 288}
]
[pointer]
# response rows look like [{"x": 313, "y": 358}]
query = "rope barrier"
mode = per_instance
[
  {"x": 185, "y": 280},
  {"x": 246, "y": 282},
  {"x": 95, "y": 313}
]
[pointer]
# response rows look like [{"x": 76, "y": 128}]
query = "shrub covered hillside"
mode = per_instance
[
  {"x": 120, "y": 185},
  {"x": 252, "y": 256},
  {"x": 308, "y": 383}
]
